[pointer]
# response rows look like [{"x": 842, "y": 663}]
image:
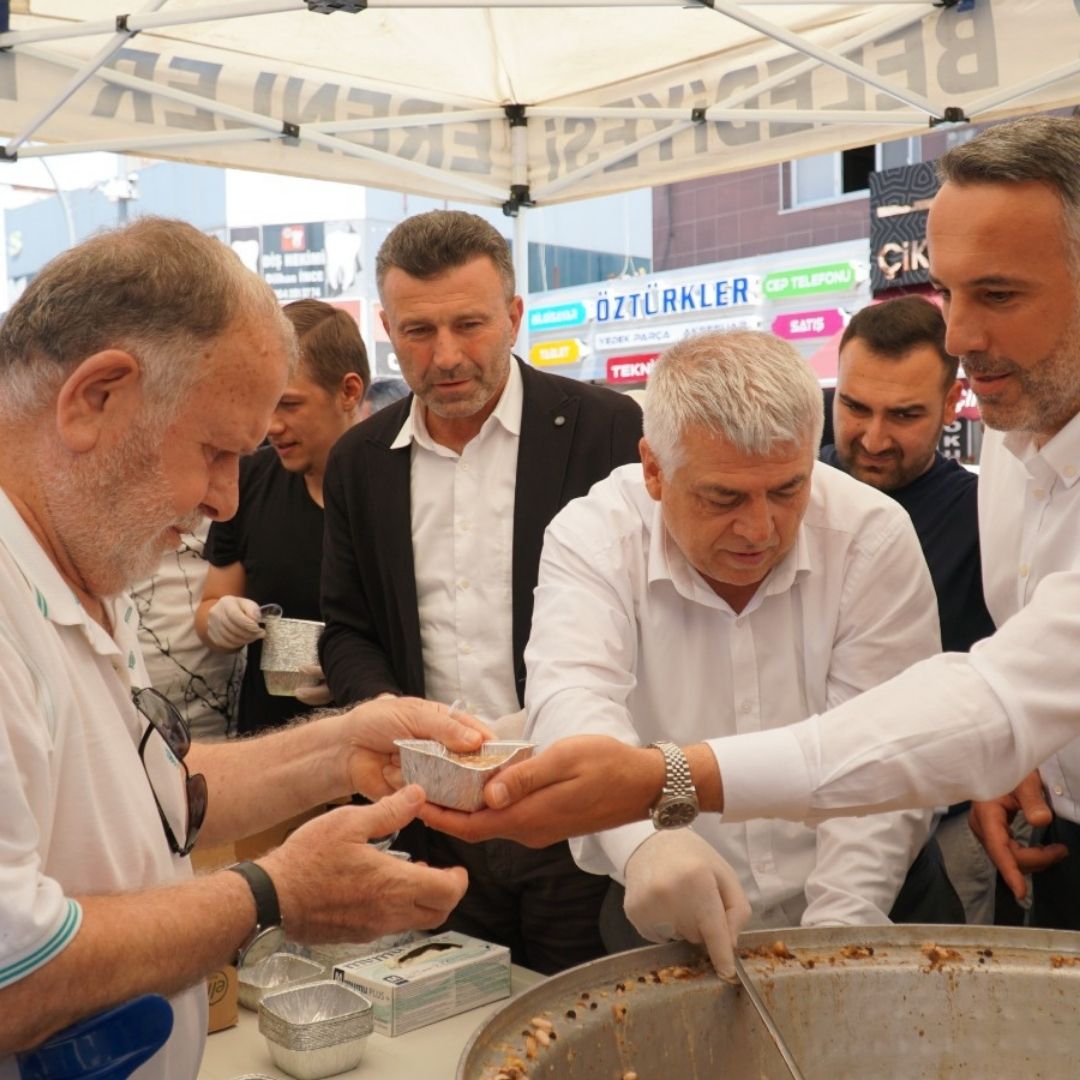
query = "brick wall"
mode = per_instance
[{"x": 718, "y": 218}]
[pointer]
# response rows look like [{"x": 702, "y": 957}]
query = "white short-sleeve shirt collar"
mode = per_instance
[{"x": 55, "y": 598}]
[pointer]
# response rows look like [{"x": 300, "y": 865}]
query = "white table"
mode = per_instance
[{"x": 430, "y": 1053}]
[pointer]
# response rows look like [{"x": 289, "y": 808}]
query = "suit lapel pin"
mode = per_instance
[{"x": 560, "y": 420}]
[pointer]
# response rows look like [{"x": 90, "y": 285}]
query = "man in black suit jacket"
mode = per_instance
[{"x": 394, "y": 510}]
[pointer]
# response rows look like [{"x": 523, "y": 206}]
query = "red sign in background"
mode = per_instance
[{"x": 630, "y": 369}]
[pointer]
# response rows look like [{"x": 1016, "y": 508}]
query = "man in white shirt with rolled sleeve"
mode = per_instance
[{"x": 729, "y": 585}]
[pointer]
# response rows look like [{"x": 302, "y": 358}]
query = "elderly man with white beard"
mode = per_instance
[{"x": 134, "y": 371}]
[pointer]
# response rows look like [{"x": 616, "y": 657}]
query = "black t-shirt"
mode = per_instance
[
  {"x": 943, "y": 506},
  {"x": 277, "y": 536}
]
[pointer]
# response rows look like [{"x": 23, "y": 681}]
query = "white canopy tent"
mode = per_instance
[{"x": 517, "y": 102}]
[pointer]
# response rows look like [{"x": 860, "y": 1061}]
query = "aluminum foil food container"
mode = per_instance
[
  {"x": 278, "y": 972},
  {"x": 288, "y": 645},
  {"x": 329, "y": 956},
  {"x": 457, "y": 780},
  {"x": 897, "y": 1002},
  {"x": 316, "y": 1030}
]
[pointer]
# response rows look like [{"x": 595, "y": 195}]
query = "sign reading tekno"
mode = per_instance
[
  {"x": 835, "y": 277},
  {"x": 808, "y": 324},
  {"x": 653, "y": 300},
  {"x": 558, "y": 316},
  {"x": 630, "y": 369}
]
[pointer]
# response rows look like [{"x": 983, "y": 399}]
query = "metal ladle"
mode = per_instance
[{"x": 767, "y": 1019}]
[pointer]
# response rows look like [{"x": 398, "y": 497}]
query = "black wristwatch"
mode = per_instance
[{"x": 268, "y": 936}]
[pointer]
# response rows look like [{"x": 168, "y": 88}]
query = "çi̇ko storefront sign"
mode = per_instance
[
  {"x": 558, "y": 316},
  {"x": 808, "y": 324},
  {"x": 655, "y": 300},
  {"x": 556, "y": 353},
  {"x": 835, "y": 277},
  {"x": 667, "y": 335}
]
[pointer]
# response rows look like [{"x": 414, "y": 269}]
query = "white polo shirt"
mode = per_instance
[{"x": 77, "y": 815}]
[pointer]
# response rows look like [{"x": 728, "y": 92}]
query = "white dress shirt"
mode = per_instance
[
  {"x": 629, "y": 640},
  {"x": 463, "y": 551},
  {"x": 956, "y": 726}
]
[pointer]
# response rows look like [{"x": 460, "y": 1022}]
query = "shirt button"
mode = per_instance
[
  {"x": 1058, "y": 790},
  {"x": 740, "y": 622},
  {"x": 464, "y": 466},
  {"x": 1024, "y": 569},
  {"x": 463, "y": 583},
  {"x": 1039, "y": 493},
  {"x": 1069, "y": 470},
  {"x": 466, "y": 648},
  {"x": 466, "y": 526},
  {"x": 746, "y": 706}
]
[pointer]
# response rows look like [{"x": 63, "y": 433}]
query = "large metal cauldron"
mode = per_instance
[{"x": 988, "y": 1003}]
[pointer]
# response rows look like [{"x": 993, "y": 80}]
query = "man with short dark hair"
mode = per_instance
[
  {"x": 134, "y": 371},
  {"x": 435, "y": 515},
  {"x": 896, "y": 390}
]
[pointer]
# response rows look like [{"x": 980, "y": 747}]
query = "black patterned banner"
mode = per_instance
[{"x": 899, "y": 200}]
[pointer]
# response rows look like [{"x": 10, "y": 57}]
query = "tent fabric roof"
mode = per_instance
[{"x": 414, "y": 94}]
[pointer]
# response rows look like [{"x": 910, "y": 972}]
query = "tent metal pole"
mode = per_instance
[
  {"x": 159, "y": 142},
  {"x": 145, "y": 21},
  {"x": 86, "y": 71},
  {"x": 800, "y": 44},
  {"x": 521, "y": 273},
  {"x": 876, "y": 33},
  {"x": 171, "y": 93},
  {"x": 275, "y": 128},
  {"x": 390, "y": 123},
  {"x": 895, "y": 118},
  {"x": 1005, "y": 95},
  {"x": 543, "y": 192},
  {"x": 487, "y": 192},
  {"x": 518, "y": 206}
]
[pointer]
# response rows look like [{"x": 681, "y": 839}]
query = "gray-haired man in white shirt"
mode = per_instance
[{"x": 729, "y": 584}]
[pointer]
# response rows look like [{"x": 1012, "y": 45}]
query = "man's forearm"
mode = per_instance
[
  {"x": 256, "y": 783},
  {"x": 159, "y": 941}
]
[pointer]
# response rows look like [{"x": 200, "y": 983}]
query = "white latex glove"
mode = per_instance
[
  {"x": 510, "y": 726},
  {"x": 232, "y": 622},
  {"x": 678, "y": 886},
  {"x": 319, "y": 694}
]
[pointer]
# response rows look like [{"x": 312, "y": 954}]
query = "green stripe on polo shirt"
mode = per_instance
[{"x": 68, "y": 928}]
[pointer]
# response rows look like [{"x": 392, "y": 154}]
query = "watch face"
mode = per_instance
[
  {"x": 264, "y": 945},
  {"x": 675, "y": 814}
]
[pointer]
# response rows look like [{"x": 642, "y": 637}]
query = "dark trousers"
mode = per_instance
[
  {"x": 927, "y": 896},
  {"x": 1056, "y": 890},
  {"x": 537, "y": 902}
]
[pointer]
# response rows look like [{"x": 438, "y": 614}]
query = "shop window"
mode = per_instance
[{"x": 829, "y": 178}]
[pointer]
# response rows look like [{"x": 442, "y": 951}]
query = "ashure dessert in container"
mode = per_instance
[
  {"x": 457, "y": 780},
  {"x": 289, "y": 645}
]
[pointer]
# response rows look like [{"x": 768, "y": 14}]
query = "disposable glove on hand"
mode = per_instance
[
  {"x": 319, "y": 694},
  {"x": 232, "y": 622},
  {"x": 678, "y": 886}
]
